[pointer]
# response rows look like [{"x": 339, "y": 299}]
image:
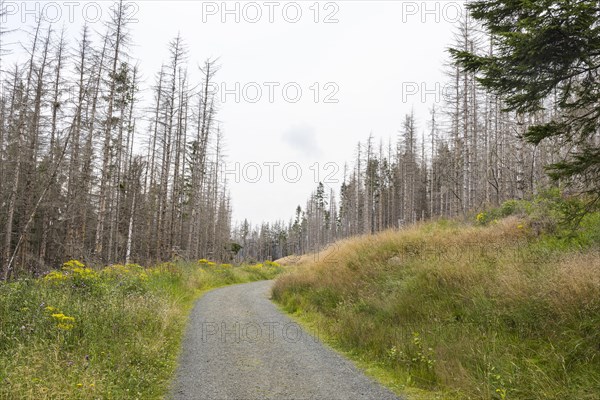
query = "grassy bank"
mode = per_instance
[
  {"x": 507, "y": 307},
  {"x": 78, "y": 333}
]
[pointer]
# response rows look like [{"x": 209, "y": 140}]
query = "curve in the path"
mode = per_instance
[{"x": 238, "y": 345}]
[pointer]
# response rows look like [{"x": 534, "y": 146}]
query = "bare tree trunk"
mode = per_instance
[
  {"x": 73, "y": 183},
  {"x": 46, "y": 219},
  {"x": 89, "y": 150},
  {"x": 155, "y": 214},
  {"x": 118, "y": 21},
  {"x": 22, "y": 100},
  {"x": 34, "y": 131},
  {"x": 13, "y": 193}
]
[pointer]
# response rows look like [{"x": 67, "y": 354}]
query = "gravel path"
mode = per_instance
[{"x": 240, "y": 346}]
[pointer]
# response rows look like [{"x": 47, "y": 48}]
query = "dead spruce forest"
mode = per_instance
[{"x": 88, "y": 172}]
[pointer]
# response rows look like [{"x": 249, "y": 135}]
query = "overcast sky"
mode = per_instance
[{"x": 300, "y": 82}]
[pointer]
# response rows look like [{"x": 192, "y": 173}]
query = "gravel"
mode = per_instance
[{"x": 238, "y": 345}]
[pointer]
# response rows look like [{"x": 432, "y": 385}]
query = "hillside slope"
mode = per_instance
[{"x": 504, "y": 308}]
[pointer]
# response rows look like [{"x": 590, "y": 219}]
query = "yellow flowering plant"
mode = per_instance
[
  {"x": 72, "y": 265},
  {"x": 75, "y": 274},
  {"x": 481, "y": 218},
  {"x": 55, "y": 277},
  {"x": 62, "y": 322}
]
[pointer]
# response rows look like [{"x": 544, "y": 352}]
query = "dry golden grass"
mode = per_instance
[
  {"x": 502, "y": 311},
  {"x": 575, "y": 281}
]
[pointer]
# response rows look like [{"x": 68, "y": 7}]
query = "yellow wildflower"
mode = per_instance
[
  {"x": 55, "y": 277},
  {"x": 272, "y": 264},
  {"x": 480, "y": 217},
  {"x": 72, "y": 264},
  {"x": 64, "y": 322}
]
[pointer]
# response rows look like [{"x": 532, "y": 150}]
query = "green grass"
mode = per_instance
[
  {"x": 113, "y": 334},
  {"x": 498, "y": 309}
]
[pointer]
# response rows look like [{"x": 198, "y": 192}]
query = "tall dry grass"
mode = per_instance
[{"x": 489, "y": 312}]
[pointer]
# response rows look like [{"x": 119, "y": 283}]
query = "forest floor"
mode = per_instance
[{"x": 504, "y": 307}]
